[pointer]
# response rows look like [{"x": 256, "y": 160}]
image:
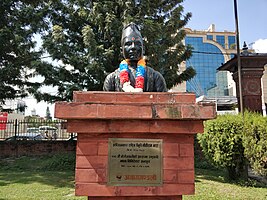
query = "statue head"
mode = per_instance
[{"x": 132, "y": 42}]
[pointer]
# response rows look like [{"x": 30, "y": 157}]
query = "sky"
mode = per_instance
[{"x": 251, "y": 20}]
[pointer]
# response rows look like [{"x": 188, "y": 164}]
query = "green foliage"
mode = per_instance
[
  {"x": 85, "y": 37},
  {"x": 255, "y": 142},
  {"x": 230, "y": 140},
  {"x": 222, "y": 143},
  {"x": 82, "y": 39},
  {"x": 203, "y": 163},
  {"x": 200, "y": 160},
  {"x": 19, "y": 22}
]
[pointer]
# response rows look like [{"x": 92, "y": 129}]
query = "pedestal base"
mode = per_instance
[
  {"x": 92, "y": 162},
  {"x": 137, "y": 198},
  {"x": 100, "y": 118}
]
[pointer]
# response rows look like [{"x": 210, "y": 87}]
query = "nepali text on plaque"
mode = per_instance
[{"x": 135, "y": 162}]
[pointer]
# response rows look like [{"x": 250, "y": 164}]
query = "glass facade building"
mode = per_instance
[{"x": 210, "y": 50}]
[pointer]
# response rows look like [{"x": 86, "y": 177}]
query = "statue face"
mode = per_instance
[{"x": 132, "y": 47}]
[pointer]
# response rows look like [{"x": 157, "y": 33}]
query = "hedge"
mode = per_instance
[
  {"x": 255, "y": 142},
  {"x": 222, "y": 144},
  {"x": 233, "y": 141}
]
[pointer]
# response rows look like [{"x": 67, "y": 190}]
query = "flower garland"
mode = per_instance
[{"x": 139, "y": 75}]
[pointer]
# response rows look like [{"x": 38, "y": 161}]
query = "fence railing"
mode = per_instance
[{"x": 34, "y": 130}]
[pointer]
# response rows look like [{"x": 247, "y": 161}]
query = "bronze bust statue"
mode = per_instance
[{"x": 133, "y": 75}]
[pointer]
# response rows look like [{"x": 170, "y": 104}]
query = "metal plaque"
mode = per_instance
[{"x": 135, "y": 162}]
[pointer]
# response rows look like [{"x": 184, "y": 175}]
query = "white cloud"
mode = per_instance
[{"x": 260, "y": 46}]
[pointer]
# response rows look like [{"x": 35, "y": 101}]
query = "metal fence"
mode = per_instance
[{"x": 34, "y": 130}]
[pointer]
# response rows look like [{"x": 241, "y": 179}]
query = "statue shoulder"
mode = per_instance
[
  {"x": 111, "y": 81},
  {"x": 113, "y": 75},
  {"x": 156, "y": 80},
  {"x": 154, "y": 73}
]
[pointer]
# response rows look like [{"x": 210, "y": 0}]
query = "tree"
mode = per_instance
[
  {"x": 20, "y": 20},
  {"x": 84, "y": 37}
]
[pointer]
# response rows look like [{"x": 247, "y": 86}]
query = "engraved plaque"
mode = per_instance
[{"x": 135, "y": 162}]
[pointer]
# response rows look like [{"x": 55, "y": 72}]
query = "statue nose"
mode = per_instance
[{"x": 133, "y": 45}]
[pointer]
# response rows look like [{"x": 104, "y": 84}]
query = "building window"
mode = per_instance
[
  {"x": 231, "y": 42},
  {"x": 221, "y": 40},
  {"x": 209, "y": 37},
  {"x": 206, "y": 58}
]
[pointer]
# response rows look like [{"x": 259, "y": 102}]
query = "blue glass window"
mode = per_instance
[
  {"x": 231, "y": 42},
  {"x": 209, "y": 37},
  {"x": 221, "y": 40},
  {"x": 206, "y": 58}
]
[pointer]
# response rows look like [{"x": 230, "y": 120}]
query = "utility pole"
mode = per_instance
[{"x": 238, "y": 59}]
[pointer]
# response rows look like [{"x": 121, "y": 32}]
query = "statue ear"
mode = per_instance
[
  {"x": 144, "y": 50},
  {"x": 121, "y": 51}
]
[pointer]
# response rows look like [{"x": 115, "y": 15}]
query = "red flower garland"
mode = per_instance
[{"x": 139, "y": 76}]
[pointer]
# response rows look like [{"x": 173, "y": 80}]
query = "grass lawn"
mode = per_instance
[
  {"x": 37, "y": 185},
  {"x": 47, "y": 178},
  {"x": 213, "y": 184}
]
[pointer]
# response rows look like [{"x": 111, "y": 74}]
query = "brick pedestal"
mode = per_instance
[{"x": 172, "y": 117}]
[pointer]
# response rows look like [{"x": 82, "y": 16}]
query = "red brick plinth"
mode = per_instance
[{"x": 172, "y": 117}]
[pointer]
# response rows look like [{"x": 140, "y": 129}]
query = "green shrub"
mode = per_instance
[
  {"x": 222, "y": 144},
  {"x": 200, "y": 160},
  {"x": 255, "y": 142}
]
